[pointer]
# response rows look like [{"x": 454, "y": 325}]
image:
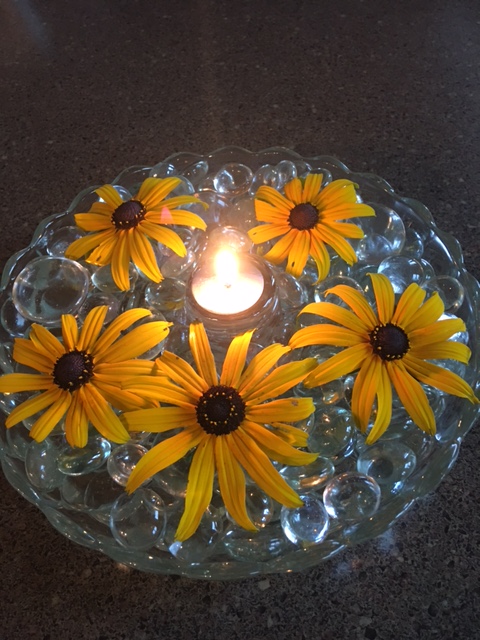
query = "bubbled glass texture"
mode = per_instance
[{"x": 81, "y": 492}]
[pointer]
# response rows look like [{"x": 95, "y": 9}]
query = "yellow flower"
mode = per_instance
[
  {"x": 307, "y": 219},
  {"x": 224, "y": 418},
  {"x": 82, "y": 377},
  {"x": 123, "y": 230},
  {"x": 389, "y": 347}
]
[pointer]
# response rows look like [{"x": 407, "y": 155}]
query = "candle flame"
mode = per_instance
[{"x": 226, "y": 267}]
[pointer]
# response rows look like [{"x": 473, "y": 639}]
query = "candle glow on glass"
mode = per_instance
[{"x": 233, "y": 287}]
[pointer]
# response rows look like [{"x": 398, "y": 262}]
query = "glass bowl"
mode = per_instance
[{"x": 80, "y": 491}]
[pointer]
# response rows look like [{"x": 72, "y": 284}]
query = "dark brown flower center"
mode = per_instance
[
  {"x": 128, "y": 215},
  {"x": 73, "y": 370},
  {"x": 220, "y": 410},
  {"x": 389, "y": 341},
  {"x": 303, "y": 216}
]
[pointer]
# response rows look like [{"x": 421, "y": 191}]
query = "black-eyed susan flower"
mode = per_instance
[
  {"x": 306, "y": 219},
  {"x": 80, "y": 378},
  {"x": 223, "y": 418},
  {"x": 389, "y": 347},
  {"x": 122, "y": 231}
]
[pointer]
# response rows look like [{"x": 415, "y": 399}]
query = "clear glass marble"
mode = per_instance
[{"x": 352, "y": 491}]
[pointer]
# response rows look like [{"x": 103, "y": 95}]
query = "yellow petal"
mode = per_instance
[
  {"x": 92, "y": 221},
  {"x": 158, "y": 419},
  {"x": 294, "y": 436},
  {"x": 266, "y": 232},
  {"x": 408, "y": 305},
  {"x": 311, "y": 187},
  {"x": 76, "y": 423},
  {"x": 84, "y": 245},
  {"x": 137, "y": 341},
  {"x": 287, "y": 409},
  {"x": 161, "y": 389},
  {"x": 293, "y": 190},
  {"x": 384, "y": 296},
  {"x": 345, "y": 211},
  {"x": 346, "y": 229},
  {"x": 177, "y": 216},
  {"x": 69, "y": 332},
  {"x": 120, "y": 398},
  {"x": 261, "y": 470},
  {"x": 281, "y": 249},
  {"x": 365, "y": 388},
  {"x": 341, "y": 364},
  {"x": 259, "y": 366},
  {"x": 265, "y": 212},
  {"x": 298, "y": 255},
  {"x": 45, "y": 342},
  {"x": 25, "y": 352},
  {"x": 182, "y": 374},
  {"x": 338, "y": 314},
  {"x": 154, "y": 190},
  {"x": 101, "y": 415},
  {"x": 234, "y": 362},
  {"x": 143, "y": 255},
  {"x": 412, "y": 396},
  {"x": 384, "y": 408},
  {"x": 325, "y": 334},
  {"x": 115, "y": 328},
  {"x": 165, "y": 236},
  {"x": 101, "y": 207},
  {"x": 438, "y": 377},
  {"x": 428, "y": 313},
  {"x": 92, "y": 326},
  {"x": 199, "y": 488},
  {"x": 357, "y": 302},
  {"x": 335, "y": 240},
  {"x": 33, "y": 405},
  {"x": 276, "y": 448},
  {"x": 276, "y": 199},
  {"x": 103, "y": 253},
  {"x": 231, "y": 480},
  {"x": 117, "y": 372},
  {"x": 442, "y": 350},
  {"x": 280, "y": 381},
  {"x": 163, "y": 455},
  {"x": 110, "y": 195},
  {"x": 319, "y": 253},
  {"x": 177, "y": 201},
  {"x": 337, "y": 193},
  {"x": 51, "y": 417},
  {"x": 18, "y": 382},
  {"x": 202, "y": 353},
  {"x": 120, "y": 263},
  {"x": 436, "y": 332}
]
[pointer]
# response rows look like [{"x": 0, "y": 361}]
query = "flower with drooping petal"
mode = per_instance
[
  {"x": 223, "y": 418},
  {"x": 306, "y": 219},
  {"x": 81, "y": 377},
  {"x": 389, "y": 346},
  {"x": 122, "y": 230}
]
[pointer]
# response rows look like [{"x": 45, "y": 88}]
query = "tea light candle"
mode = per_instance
[{"x": 232, "y": 286}]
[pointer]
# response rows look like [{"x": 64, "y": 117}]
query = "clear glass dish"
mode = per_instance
[{"x": 37, "y": 285}]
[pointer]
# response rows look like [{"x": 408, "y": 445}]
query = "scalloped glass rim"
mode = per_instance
[{"x": 297, "y": 559}]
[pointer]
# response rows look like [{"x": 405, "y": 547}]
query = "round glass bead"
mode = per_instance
[
  {"x": 138, "y": 521},
  {"x": 310, "y": 476},
  {"x": 75, "y": 461},
  {"x": 49, "y": 287},
  {"x": 233, "y": 179},
  {"x": 41, "y": 465},
  {"x": 307, "y": 524},
  {"x": 122, "y": 461},
  {"x": 389, "y": 463},
  {"x": 351, "y": 497}
]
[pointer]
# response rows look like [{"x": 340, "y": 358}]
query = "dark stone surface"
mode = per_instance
[{"x": 89, "y": 88}]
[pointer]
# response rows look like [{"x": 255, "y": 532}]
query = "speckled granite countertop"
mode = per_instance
[{"x": 392, "y": 88}]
